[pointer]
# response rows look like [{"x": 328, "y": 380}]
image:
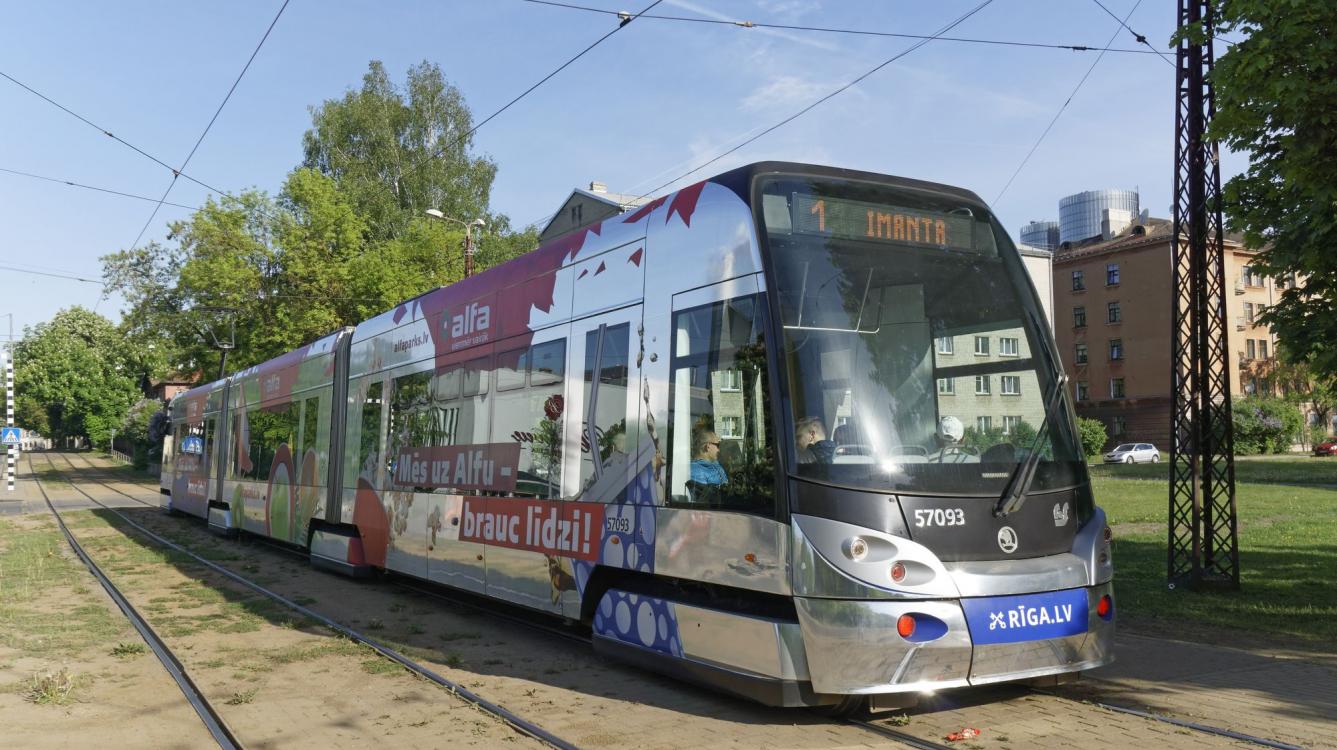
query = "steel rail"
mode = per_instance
[
  {"x": 212, "y": 720},
  {"x": 91, "y": 465},
  {"x": 522, "y": 725},
  {"x": 904, "y": 737},
  {"x": 1206, "y": 728}
]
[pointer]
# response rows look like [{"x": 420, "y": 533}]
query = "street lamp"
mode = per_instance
[{"x": 468, "y": 236}]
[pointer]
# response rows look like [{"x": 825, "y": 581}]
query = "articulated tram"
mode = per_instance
[{"x": 795, "y": 432}]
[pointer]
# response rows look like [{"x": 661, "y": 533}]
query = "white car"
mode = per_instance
[{"x": 1133, "y": 453}]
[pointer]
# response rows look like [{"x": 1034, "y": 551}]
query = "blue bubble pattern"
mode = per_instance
[{"x": 644, "y": 621}]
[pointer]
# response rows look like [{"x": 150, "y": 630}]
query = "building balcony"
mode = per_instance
[{"x": 1239, "y": 323}]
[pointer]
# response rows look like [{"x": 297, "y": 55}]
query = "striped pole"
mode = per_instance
[
  {"x": 13, "y": 453},
  {"x": 12, "y": 457}
]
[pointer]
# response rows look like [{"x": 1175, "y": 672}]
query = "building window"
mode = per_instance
[
  {"x": 731, "y": 427},
  {"x": 1007, "y": 347},
  {"x": 1249, "y": 352},
  {"x": 1111, "y": 274},
  {"x": 1082, "y": 391},
  {"x": 1118, "y": 426},
  {"x": 1078, "y": 284},
  {"x": 1116, "y": 348},
  {"x": 1009, "y": 385},
  {"x": 1010, "y": 424},
  {"x": 1112, "y": 313},
  {"x": 731, "y": 381},
  {"x": 1262, "y": 348},
  {"x": 984, "y": 424},
  {"x": 1081, "y": 354},
  {"x": 1116, "y": 387},
  {"x": 947, "y": 386},
  {"x": 982, "y": 385},
  {"x": 981, "y": 346},
  {"x": 1252, "y": 277},
  {"x": 1079, "y": 317},
  {"x": 944, "y": 344},
  {"x": 1248, "y": 311}
]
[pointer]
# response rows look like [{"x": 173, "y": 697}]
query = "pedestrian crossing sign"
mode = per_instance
[{"x": 11, "y": 435}]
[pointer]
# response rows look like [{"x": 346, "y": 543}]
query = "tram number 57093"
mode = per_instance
[{"x": 940, "y": 517}]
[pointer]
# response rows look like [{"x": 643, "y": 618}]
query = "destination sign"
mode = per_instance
[{"x": 879, "y": 222}]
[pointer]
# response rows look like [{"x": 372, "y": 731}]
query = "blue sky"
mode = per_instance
[{"x": 651, "y": 102}]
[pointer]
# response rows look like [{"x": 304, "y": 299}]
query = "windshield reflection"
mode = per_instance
[{"x": 913, "y": 362}]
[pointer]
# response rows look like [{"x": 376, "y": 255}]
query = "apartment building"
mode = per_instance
[{"x": 1112, "y": 309}]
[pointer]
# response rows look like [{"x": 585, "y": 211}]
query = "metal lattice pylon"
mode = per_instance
[{"x": 1204, "y": 548}]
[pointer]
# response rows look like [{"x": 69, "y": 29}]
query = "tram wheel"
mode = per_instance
[{"x": 848, "y": 706}]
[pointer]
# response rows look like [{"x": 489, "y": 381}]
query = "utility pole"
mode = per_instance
[
  {"x": 1203, "y": 535},
  {"x": 468, "y": 237}
]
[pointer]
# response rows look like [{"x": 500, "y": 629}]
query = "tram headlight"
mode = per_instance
[{"x": 856, "y": 548}]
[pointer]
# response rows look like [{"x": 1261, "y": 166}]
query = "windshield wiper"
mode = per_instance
[{"x": 1020, "y": 482}]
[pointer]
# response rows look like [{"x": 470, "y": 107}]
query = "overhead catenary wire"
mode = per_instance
[
  {"x": 858, "y": 32},
  {"x": 1061, "y": 109},
  {"x": 626, "y": 19},
  {"x": 176, "y": 173},
  {"x": 1141, "y": 39},
  {"x": 108, "y": 133},
  {"x": 72, "y": 183},
  {"x": 752, "y": 139}
]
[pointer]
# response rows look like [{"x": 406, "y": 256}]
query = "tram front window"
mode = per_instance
[{"x": 915, "y": 353}]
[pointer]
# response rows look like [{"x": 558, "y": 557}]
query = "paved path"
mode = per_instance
[{"x": 1286, "y": 696}]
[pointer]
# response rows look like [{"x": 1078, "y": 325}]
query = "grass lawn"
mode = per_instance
[{"x": 1288, "y": 551}]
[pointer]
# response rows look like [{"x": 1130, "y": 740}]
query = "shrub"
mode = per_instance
[
  {"x": 1093, "y": 435},
  {"x": 1265, "y": 425}
]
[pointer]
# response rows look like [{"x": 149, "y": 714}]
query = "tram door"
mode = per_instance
[
  {"x": 528, "y": 423},
  {"x": 604, "y": 437}
]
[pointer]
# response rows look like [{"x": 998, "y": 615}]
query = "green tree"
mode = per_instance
[
  {"x": 1306, "y": 389},
  {"x": 71, "y": 377},
  {"x": 345, "y": 239},
  {"x": 1093, "y": 436},
  {"x": 398, "y": 152},
  {"x": 1276, "y": 101}
]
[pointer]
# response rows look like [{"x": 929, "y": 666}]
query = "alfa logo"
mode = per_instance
[{"x": 1007, "y": 540}]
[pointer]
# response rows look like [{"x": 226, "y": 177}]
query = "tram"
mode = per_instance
[{"x": 795, "y": 432}]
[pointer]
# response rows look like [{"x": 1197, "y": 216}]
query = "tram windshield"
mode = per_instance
[{"x": 915, "y": 354}]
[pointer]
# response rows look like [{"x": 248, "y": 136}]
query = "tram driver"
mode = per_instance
[{"x": 811, "y": 443}]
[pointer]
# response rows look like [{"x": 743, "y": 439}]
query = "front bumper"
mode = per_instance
[{"x": 852, "y": 647}]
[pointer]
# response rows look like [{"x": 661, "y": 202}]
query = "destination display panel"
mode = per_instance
[{"x": 879, "y": 222}]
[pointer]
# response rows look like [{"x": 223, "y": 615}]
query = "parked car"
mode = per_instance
[
  {"x": 1133, "y": 453},
  {"x": 1326, "y": 448}
]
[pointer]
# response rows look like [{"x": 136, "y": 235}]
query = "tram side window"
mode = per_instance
[
  {"x": 264, "y": 431},
  {"x": 369, "y": 438},
  {"x": 721, "y": 442},
  {"x": 530, "y": 412},
  {"x": 438, "y": 409},
  {"x": 308, "y": 440},
  {"x": 605, "y": 446}
]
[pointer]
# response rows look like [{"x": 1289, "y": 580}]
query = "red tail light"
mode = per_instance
[
  {"x": 1104, "y": 608},
  {"x": 905, "y": 626}
]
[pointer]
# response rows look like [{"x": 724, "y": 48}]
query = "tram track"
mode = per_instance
[
  {"x": 217, "y": 727},
  {"x": 873, "y": 725},
  {"x": 510, "y": 718}
]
